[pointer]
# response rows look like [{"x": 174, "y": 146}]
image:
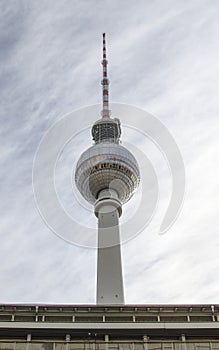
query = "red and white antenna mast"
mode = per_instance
[{"x": 105, "y": 82}]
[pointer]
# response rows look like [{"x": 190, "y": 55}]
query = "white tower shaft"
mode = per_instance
[{"x": 109, "y": 265}]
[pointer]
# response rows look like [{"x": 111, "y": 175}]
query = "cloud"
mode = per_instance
[{"x": 163, "y": 57}]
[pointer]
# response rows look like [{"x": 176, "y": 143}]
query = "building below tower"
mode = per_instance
[{"x": 103, "y": 327}]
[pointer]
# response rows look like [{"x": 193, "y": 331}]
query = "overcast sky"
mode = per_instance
[{"x": 163, "y": 58}]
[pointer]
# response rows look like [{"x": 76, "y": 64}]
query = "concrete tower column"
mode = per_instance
[{"x": 109, "y": 265}]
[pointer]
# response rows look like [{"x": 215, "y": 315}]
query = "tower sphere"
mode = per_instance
[{"x": 110, "y": 166}]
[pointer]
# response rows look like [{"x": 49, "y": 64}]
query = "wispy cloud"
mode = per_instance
[{"x": 164, "y": 58}]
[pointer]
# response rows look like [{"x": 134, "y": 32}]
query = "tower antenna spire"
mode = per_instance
[{"x": 105, "y": 82}]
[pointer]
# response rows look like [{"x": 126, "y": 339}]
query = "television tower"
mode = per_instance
[{"x": 107, "y": 175}]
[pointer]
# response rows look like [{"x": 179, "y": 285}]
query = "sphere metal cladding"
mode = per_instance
[{"x": 107, "y": 165}]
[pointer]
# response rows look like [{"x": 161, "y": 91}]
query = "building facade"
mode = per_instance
[{"x": 97, "y": 327}]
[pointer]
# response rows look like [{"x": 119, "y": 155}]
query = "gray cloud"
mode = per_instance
[{"x": 164, "y": 58}]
